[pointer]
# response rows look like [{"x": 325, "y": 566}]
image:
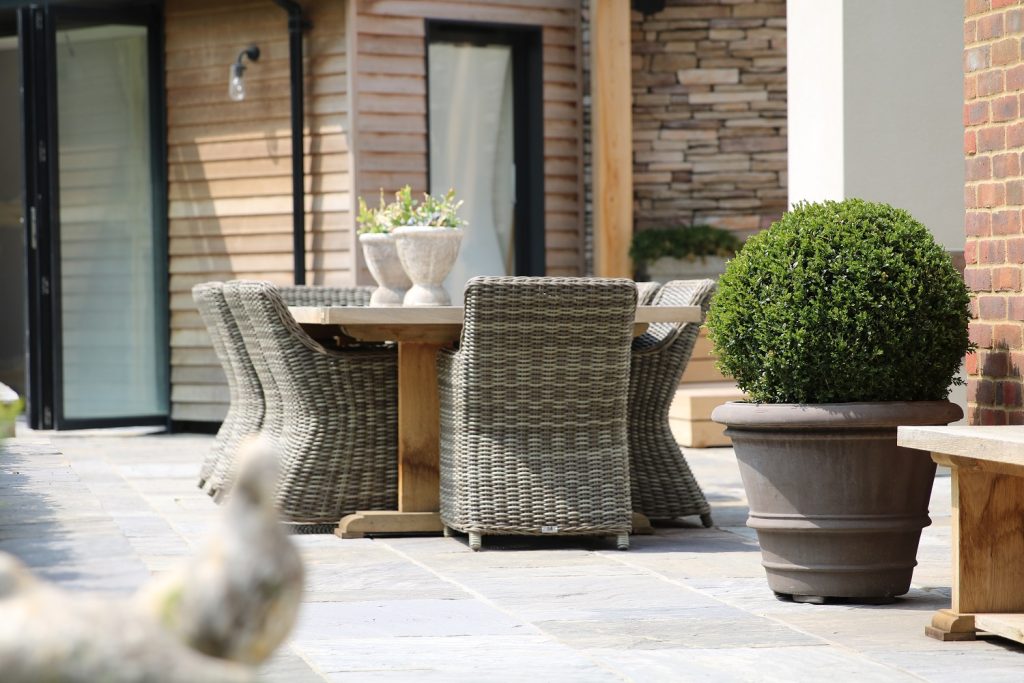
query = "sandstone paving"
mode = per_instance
[{"x": 105, "y": 510}]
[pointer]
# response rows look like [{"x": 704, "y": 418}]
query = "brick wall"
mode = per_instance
[
  {"x": 994, "y": 197},
  {"x": 709, "y": 114}
]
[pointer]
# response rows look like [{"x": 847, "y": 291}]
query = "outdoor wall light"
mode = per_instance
[{"x": 236, "y": 85}]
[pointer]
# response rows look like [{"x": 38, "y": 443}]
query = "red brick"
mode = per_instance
[
  {"x": 971, "y": 252},
  {"x": 1006, "y": 336},
  {"x": 992, "y": 307},
  {"x": 979, "y": 224},
  {"x": 1015, "y": 250},
  {"x": 975, "y": 113},
  {"x": 991, "y": 194},
  {"x": 980, "y": 334},
  {"x": 1015, "y": 135},
  {"x": 1014, "y": 78},
  {"x": 975, "y": 7},
  {"x": 991, "y": 139},
  {"x": 1006, "y": 222},
  {"x": 971, "y": 197},
  {"x": 1015, "y": 307},
  {"x": 970, "y": 87},
  {"x": 1015, "y": 417},
  {"x": 972, "y": 309},
  {"x": 971, "y": 363},
  {"x": 1004, "y": 108},
  {"x": 1006, "y": 279},
  {"x": 1006, "y": 165},
  {"x": 978, "y": 168},
  {"x": 1005, "y": 51},
  {"x": 976, "y": 59},
  {"x": 981, "y": 391},
  {"x": 1009, "y": 393},
  {"x": 1014, "y": 192},
  {"x": 990, "y": 27},
  {"x": 978, "y": 279},
  {"x": 990, "y": 83},
  {"x": 994, "y": 363},
  {"x": 970, "y": 32},
  {"x": 992, "y": 251},
  {"x": 970, "y": 142},
  {"x": 990, "y": 416},
  {"x": 1014, "y": 20},
  {"x": 996, "y": 4}
]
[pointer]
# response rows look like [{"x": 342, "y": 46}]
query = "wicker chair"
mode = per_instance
[
  {"x": 533, "y": 409},
  {"x": 245, "y": 412},
  {"x": 336, "y": 416},
  {"x": 251, "y": 389},
  {"x": 645, "y": 292},
  {"x": 663, "y": 487}
]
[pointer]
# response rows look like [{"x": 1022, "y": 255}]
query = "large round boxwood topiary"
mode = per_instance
[{"x": 838, "y": 302}]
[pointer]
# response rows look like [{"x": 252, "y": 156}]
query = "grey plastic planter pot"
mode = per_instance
[{"x": 837, "y": 505}]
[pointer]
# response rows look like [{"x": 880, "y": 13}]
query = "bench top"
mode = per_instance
[{"x": 998, "y": 444}]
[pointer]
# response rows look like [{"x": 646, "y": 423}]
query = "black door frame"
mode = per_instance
[
  {"x": 41, "y": 199},
  {"x": 527, "y": 124}
]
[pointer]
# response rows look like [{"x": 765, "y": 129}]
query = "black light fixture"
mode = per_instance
[
  {"x": 236, "y": 84},
  {"x": 648, "y": 7}
]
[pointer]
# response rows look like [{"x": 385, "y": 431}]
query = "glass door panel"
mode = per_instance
[
  {"x": 113, "y": 364},
  {"x": 471, "y": 150}
]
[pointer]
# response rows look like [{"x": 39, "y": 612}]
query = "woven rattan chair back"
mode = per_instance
[
  {"x": 663, "y": 487},
  {"x": 251, "y": 357},
  {"x": 245, "y": 411},
  {"x": 338, "y": 415},
  {"x": 533, "y": 409},
  {"x": 645, "y": 292}
]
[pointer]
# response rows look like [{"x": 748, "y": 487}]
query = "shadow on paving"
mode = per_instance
[{"x": 52, "y": 523}]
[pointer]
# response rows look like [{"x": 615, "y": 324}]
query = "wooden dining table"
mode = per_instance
[{"x": 420, "y": 332}]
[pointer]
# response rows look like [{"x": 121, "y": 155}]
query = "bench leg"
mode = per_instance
[{"x": 949, "y": 625}]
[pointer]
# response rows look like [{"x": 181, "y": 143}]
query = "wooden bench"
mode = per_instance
[{"x": 987, "y": 466}]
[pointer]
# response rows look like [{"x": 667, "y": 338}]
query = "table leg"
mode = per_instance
[
  {"x": 419, "y": 438},
  {"x": 988, "y": 548}
]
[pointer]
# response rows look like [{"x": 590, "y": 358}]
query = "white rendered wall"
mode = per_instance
[
  {"x": 814, "y": 45},
  {"x": 876, "y": 106},
  {"x": 903, "y": 109}
]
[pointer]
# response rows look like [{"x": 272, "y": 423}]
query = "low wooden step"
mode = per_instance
[{"x": 690, "y": 414}]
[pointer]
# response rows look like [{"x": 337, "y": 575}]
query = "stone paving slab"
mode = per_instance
[{"x": 104, "y": 510}]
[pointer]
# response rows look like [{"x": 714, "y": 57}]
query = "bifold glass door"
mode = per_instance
[{"x": 102, "y": 267}]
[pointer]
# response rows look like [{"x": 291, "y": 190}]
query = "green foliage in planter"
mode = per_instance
[
  {"x": 438, "y": 212},
  {"x": 682, "y": 243},
  {"x": 841, "y": 301}
]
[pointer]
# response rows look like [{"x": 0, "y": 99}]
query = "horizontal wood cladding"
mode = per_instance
[
  {"x": 229, "y": 168},
  {"x": 388, "y": 84}
]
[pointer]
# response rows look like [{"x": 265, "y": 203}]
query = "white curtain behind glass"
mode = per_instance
[
  {"x": 110, "y": 359},
  {"x": 471, "y": 150}
]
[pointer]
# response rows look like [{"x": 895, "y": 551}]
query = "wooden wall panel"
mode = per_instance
[
  {"x": 229, "y": 168},
  {"x": 388, "y": 85}
]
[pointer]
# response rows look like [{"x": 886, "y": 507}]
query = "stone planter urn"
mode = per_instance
[
  {"x": 838, "y": 507},
  {"x": 382, "y": 260},
  {"x": 427, "y": 254},
  {"x": 666, "y": 268}
]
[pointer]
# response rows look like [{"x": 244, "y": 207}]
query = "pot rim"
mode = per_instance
[
  {"x": 424, "y": 229},
  {"x": 375, "y": 236},
  {"x": 859, "y": 414}
]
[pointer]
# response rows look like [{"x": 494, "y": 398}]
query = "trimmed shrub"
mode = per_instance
[
  {"x": 682, "y": 243},
  {"x": 839, "y": 302}
]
